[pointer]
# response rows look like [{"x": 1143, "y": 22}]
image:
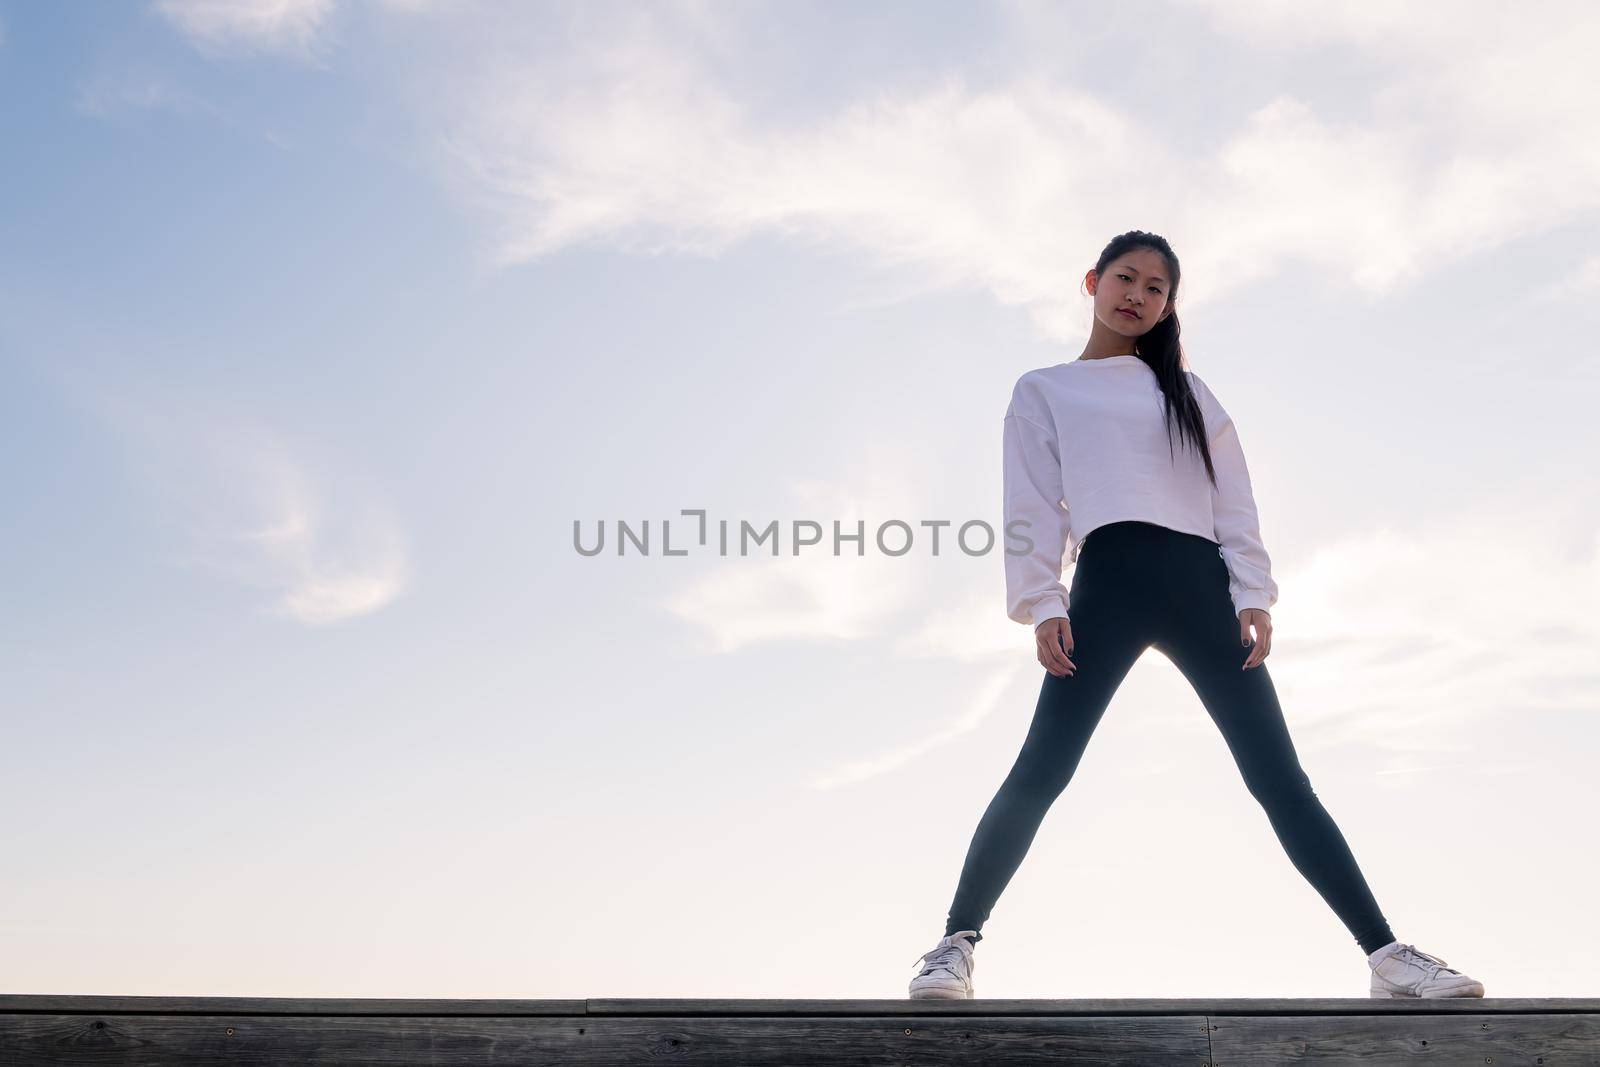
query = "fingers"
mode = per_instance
[
  {"x": 1263, "y": 643},
  {"x": 1054, "y": 639}
]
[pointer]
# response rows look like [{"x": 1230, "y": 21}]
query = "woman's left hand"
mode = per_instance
[{"x": 1263, "y": 623}]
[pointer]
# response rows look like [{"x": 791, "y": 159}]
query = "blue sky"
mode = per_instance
[{"x": 321, "y": 321}]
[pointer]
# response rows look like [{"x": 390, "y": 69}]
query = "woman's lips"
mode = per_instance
[{"x": 1125, "y": 311}]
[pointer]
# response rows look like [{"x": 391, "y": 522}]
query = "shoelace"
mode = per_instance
[
  {"x": 945, "y": 958},
  {"x": 940, "y": 957},
  {"x": 1428, "y": 960}
]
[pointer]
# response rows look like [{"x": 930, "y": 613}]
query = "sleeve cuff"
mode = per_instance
[
  {"x": 1251, "y": 598},
  {"x": 1051, "y": 607}
]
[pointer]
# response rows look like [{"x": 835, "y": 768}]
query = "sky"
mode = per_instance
[{"x": 325, "y": 325}]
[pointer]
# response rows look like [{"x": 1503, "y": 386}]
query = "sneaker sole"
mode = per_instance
[
  {"x": 939, "y": 993},
  {"x": 1474, "y": 990}
]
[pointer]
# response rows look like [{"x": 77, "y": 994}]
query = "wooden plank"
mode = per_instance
[
  {"x": 106, "y": 1004},
  {"x": 1243, "y": 1041},
  {"x": 1108, "y": 1006},
  {"x": 754, "y": 1006},
  {"x": 439, "y": 1041},
  {"x": 46, "y": 1031}
]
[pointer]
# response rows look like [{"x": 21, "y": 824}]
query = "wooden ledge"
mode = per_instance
[{"x": 42, "y": 1030}]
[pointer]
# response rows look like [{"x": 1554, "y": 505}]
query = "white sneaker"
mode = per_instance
[
  {"x": 948, "y": 975},
  {"x": 1400, "y": 970}
]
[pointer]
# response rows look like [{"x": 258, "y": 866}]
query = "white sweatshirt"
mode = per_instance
[{"x": 1085, "y": 445}]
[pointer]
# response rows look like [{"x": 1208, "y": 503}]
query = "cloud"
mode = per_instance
[
  {"x": 420, "y": 7},
  {"x": 1583, "y": 282},
  {"x": 249, "y": 506},
  {"x": 646, "y": 152},
  {"x": 1425, "y": 640},
  {"x": 326, "y": 565},
  {"x": 1476, "y": 128},
  {"x": 299, "y": 29},
  {"x": 646, "y": 138},
  {"x": 1422, "y": 644},
  {"x": 816, "y": 595},
  {"x": 107, "y": 94},
  {"x": 641, "y": 127},
  {"x": 295, "y": 28},
  {"x": 980, "y": 706}
]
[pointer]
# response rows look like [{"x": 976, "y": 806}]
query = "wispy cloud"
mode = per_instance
[
  {"x": 300, "y": 29},
  {"x": 1584, "y": 281},
  {"x": 1416, "y": 643},
  {"x": 980, "y": 706},
  {"x": 647, "y": 152},
  {"x": 639, "y": 138},
  {"x": 248, "y": 505},
  {"x": 816, "y": 595},
  {"x": 419, "y": 7},
  {"x": 1416, "y": 640},
  {"x": 635, "y": 126},
  {"x": 107, "y": 94}
]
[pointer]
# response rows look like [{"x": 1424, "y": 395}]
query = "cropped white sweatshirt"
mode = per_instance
[{"x": 1085, "y": 445}]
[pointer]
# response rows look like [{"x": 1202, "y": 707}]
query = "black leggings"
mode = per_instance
[{"x": 1138, "y": 585}]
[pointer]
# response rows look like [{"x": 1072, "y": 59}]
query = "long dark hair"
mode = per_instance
[{"x": 1160, "y": 350}]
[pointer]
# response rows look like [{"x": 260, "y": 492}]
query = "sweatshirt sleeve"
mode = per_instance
[
  {"x": 1033, "y": 501},
  {"x": 1238, "y": 528}
]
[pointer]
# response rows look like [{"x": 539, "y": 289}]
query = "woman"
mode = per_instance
[{"x": 1168, "y": 554}]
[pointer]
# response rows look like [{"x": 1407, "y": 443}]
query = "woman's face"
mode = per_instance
[{"x": 1131, "y": 296}]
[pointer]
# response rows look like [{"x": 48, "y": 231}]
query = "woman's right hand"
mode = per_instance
[{"x": 1054, "y": 638}]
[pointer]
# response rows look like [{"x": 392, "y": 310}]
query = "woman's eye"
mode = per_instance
[{"x": 1154, "y": 290}]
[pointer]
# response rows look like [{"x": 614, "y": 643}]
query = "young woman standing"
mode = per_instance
[{"x": 1168, "y": 554}]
